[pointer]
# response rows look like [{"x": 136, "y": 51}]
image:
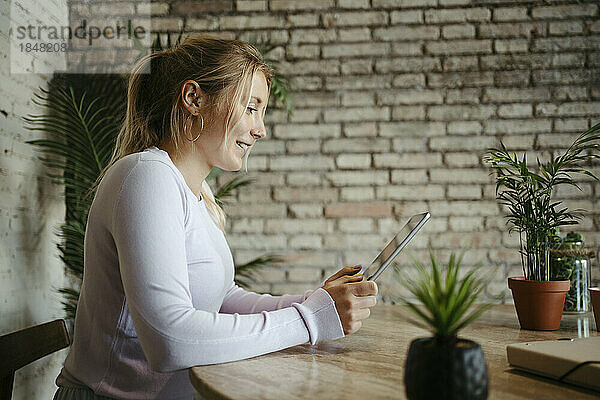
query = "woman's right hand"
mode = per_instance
[{"x": 352, "y": 296}]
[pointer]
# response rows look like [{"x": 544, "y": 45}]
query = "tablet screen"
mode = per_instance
[{"x": 395, "y": 246}]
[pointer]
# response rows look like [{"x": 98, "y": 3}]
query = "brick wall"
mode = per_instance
[
  {"x": 397, "y": 102},
  {"x": 31, "y": 209}
]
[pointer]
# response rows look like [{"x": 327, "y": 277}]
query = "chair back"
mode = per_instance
[{"x": 23, "y": 347}]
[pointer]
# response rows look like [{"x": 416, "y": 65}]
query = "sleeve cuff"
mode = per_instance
[{"x": 320, "y": 316}]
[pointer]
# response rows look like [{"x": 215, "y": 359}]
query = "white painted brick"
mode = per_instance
[
  {"x": 357, "y": 82},
  {"x": 306, "y": 115},
  {"x": 410, "y": 192},
  {"x": 412, "y": 129},
  {"x": 464, "y": 128},
  {"x": 459, "y": 160},
  {"x": 571, "y": 125},
  {"x": 308, "y": 146},
  {"x": 355, "y": 35},
  {"x": 419, "y": 96},
  {"x": 403, "y": 3},
  {"x": 463, "y": 175},
  {"x": 304, "y": 274},
  {"x": 303, "y": 179},
  {"x": 312, "y": 35},
  {"x": 353, "y": 161},
  {"x": 517, "y": 126},
  {"x": 410, "y": 144},
  {"x": 462, "y": 112},
  {"x": 565, "y": 27},
  {"x": 510, "y": 14},
  {"x": 564, "y": 11},
  {"x": 304, "y": 5},
  {"x": 364, "y": 4},
  {"x": 305, "y": 195},
  {"x": 288, "y": 225},
  {"x": 466, "y": 224},
  {"x": 356, "y": 145},
  {"x": 303, "y": 51},
  {"x": 511, "y": 46},
  {"x": 460, "y": 79},
  {"x": 521, "y": 142},
  {"x": 357, "y": 225},
  {"x": 357, "y": 193},
  {"x": 347, "y": 178},
  {"x": 351, "y": 99},
  {"x": 409, "y": 176},
  {"x": 355, "y": 50},
  {"x": 361, "y": 130},
  {"x": 407, "y": 160},
  {"x": 306, "y": 210},
  {"x": 406, "y": 17},
  {"x": 302, "y": 20},
  {"x": 459, "y": 47},
  {"x": 356, "y": 66},
  {"x": 355, "y": 18},
  {"x": 409, "y": 80},
  {"x": 464, "y": 192},
  {"x": 251, "y": 5},
  {"x": 515, "y": 110},
  {"x": 304, "y": 131},
  {"x": 458, "y": 31},
  {"x": 408, "y": 113},
  {"x": 463, "y": 96}
]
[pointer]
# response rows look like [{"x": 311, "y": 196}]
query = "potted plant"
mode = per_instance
[
  {"x": 534, "y": 214},
  {"x": 444, "y": 366}
]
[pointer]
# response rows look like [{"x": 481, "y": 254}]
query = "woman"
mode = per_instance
[{"x": 158, "y": 294}]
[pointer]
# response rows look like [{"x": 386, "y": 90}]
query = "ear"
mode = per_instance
[{"x": 192, "y": 97}]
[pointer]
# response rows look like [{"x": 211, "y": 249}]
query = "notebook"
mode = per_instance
[{"x": 575, "y": 361}]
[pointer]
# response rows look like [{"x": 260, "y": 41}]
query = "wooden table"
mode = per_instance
[{"x": 370, "y": 363}]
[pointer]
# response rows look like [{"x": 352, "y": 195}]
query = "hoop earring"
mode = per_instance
[{"x": 201, "y": 128}]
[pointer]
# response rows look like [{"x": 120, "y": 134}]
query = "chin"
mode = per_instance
[{"x": 231, "y": 167}]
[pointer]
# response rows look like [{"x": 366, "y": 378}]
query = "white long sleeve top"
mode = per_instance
[{"x": 158, "y": 294}]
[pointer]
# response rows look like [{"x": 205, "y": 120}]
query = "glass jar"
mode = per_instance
[{"x": 572, "y": 262}]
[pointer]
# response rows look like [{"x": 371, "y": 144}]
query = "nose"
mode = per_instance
[{"x": 259, "y": 132}]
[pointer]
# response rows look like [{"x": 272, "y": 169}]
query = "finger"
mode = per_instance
[
  {"x": 366, "y": 288},
  {"x": 354, "y": 326},
  {"x": 347, "y": 279},
  {"x": 350, "y": 270},
  {"x": 365, "y": 302},
  {"x": 360, "y": 314}
]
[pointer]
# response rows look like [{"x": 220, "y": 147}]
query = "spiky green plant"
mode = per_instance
[
  {"x": 442, "y": 302},
  {"x": 81, "y": 121},
  {"x": 528, "y": 196}
]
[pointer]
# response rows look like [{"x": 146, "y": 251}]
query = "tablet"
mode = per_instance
[{"x": 395, "y": 246}]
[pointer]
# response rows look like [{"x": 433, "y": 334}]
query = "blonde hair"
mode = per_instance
[{"x": 224, "y": 70}]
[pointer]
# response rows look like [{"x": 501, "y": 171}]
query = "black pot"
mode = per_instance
[{"x": 445, "y": 369}]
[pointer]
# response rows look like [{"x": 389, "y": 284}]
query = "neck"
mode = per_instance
[{"x": 191, "y": 163}]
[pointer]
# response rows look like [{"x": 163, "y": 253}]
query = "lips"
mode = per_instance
[{"x": 243, "y": 146}]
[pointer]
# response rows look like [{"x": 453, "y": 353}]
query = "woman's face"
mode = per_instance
[{"x": 251, "y": 127}]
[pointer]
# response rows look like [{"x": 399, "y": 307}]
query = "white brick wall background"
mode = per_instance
[
  {"x": 397, "y": 102},
  {"x": 31, "y": 209}
]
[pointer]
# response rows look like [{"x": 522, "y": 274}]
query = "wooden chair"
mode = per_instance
[{"x": 20, "y": 348}]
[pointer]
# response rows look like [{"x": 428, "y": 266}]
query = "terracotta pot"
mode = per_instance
[
  {"x": 539, "y": 304},
  {"x": 595, "y": 297},
  {"x": 453, "y": 370}
]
